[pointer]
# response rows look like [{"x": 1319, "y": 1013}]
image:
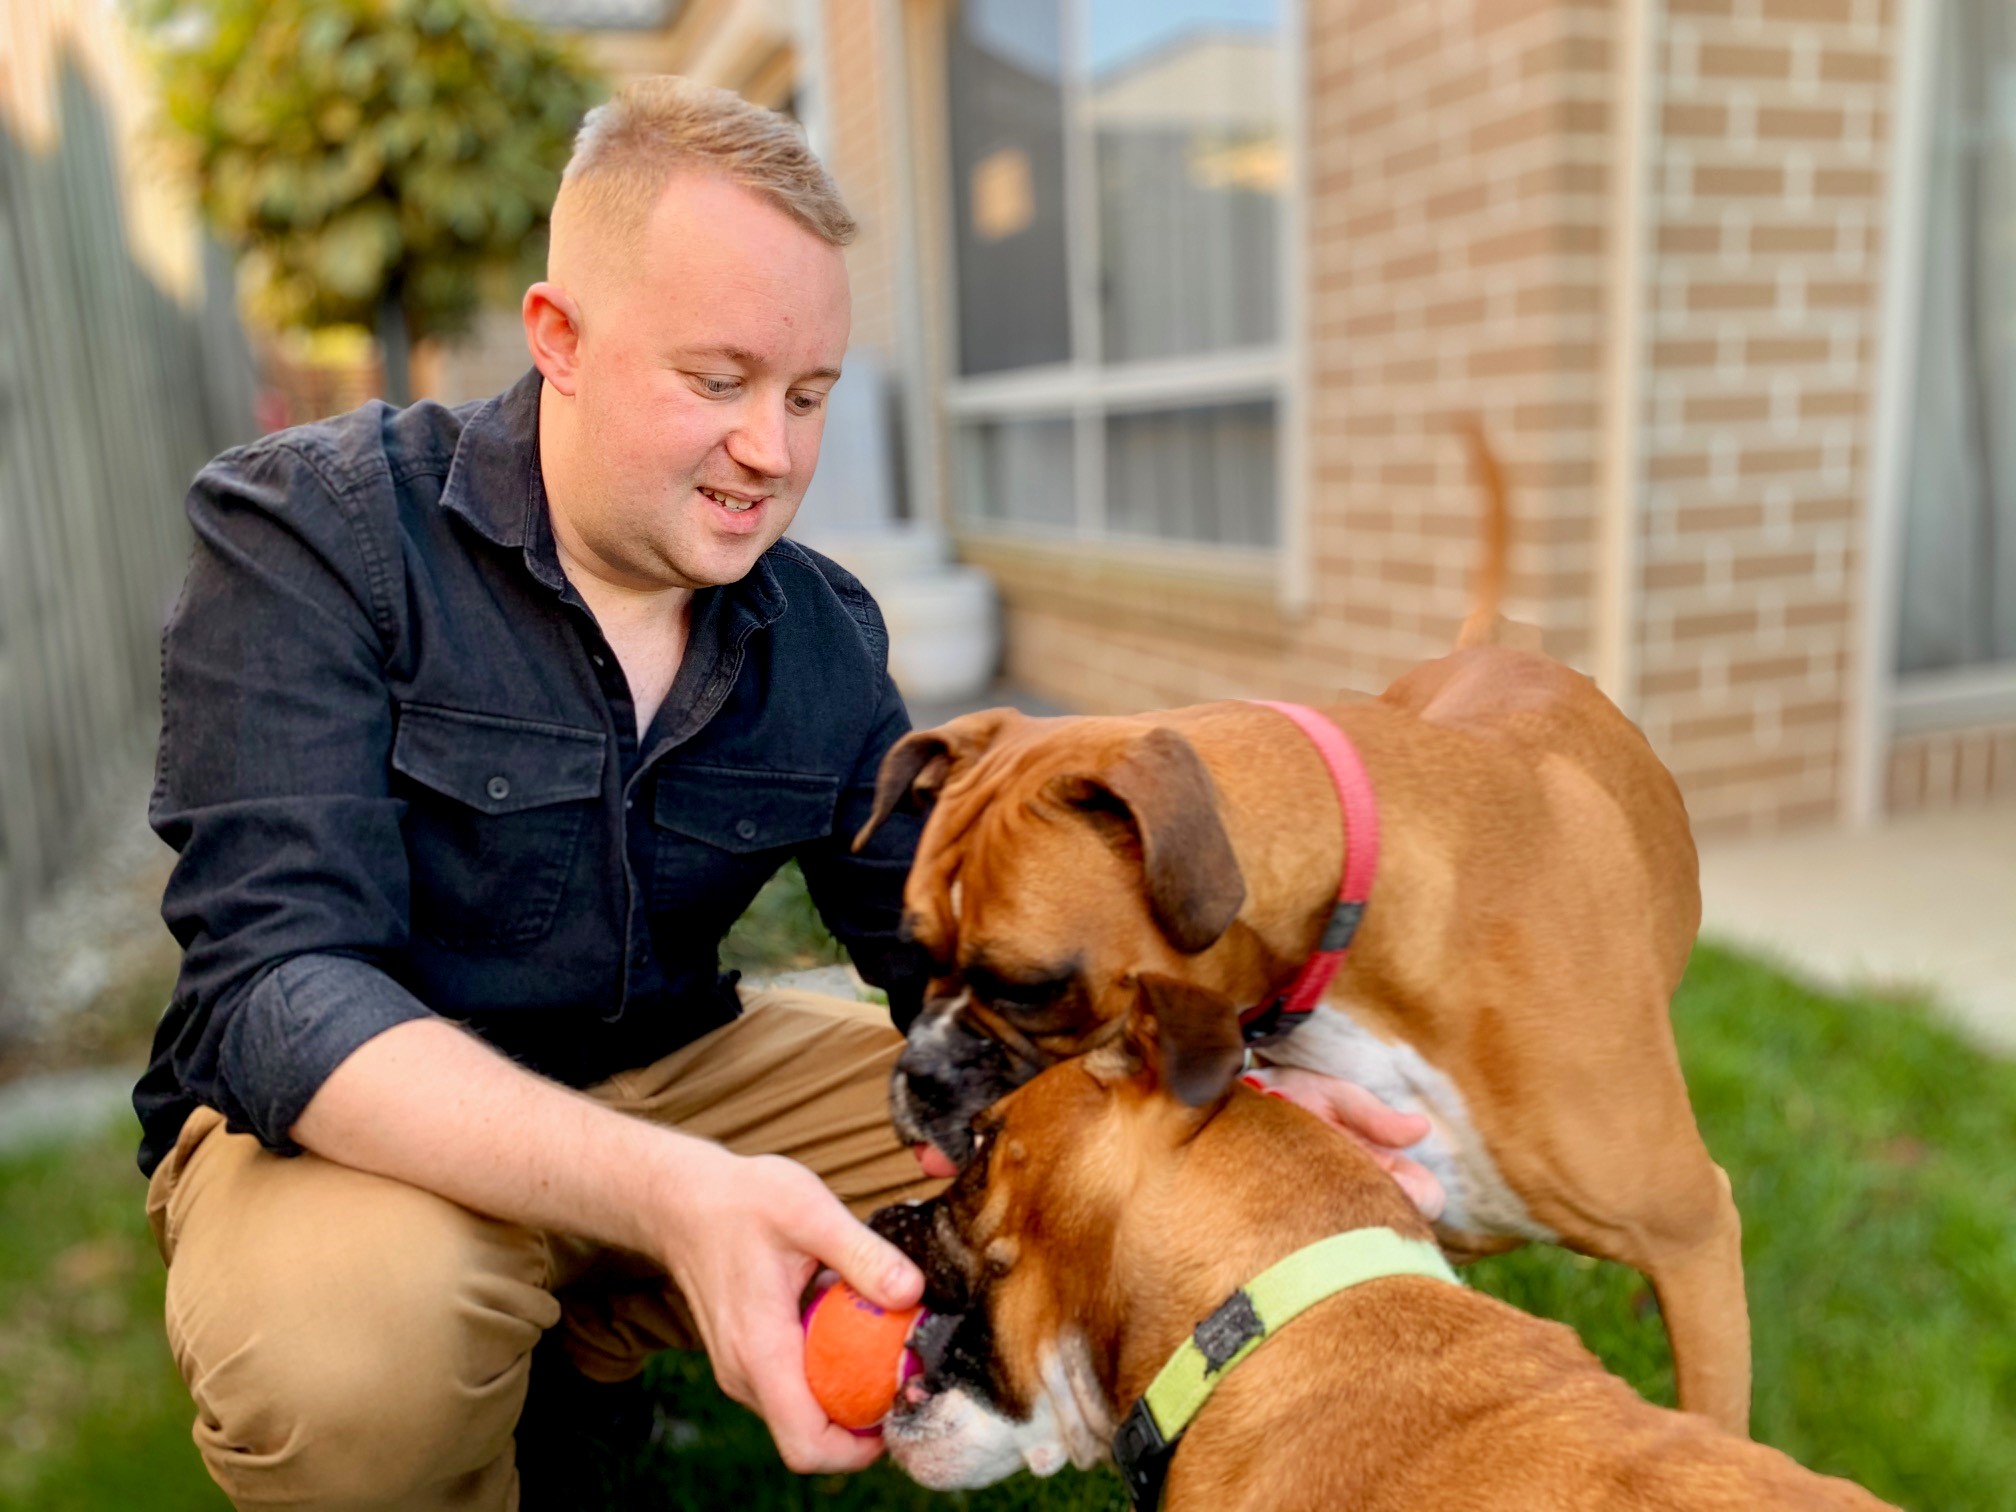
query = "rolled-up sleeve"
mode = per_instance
[
  {"x": 861, "y": 896},
  {"x": 290, "y": 892}
]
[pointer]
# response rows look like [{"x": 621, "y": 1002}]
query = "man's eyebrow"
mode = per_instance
[{"x": 748, "y": 358}]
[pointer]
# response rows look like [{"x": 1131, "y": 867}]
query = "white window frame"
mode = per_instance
[
  {"x": 1890, "y": 704},
  {"x": 1087, "y": 391}
]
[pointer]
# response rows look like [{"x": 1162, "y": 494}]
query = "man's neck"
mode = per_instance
[
  {"x": 645, "y": 625},
  {"x": 647, "y": 629}
]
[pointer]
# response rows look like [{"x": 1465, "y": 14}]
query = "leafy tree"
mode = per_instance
[{"x": 387, "y": 163}]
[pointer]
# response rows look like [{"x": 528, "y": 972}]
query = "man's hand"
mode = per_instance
[
  {"x": 1381, "y": 1130},
  {"x": 747, "y": 1235}
]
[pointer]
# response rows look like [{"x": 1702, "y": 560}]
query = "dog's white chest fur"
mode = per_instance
[{"x": 1335, "y": 1043}]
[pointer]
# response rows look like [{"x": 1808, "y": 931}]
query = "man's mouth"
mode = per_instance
[{"x": 730, "y": 502}]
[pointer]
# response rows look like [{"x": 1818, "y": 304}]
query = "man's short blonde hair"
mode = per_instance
[{"x": 629, "y": 148}]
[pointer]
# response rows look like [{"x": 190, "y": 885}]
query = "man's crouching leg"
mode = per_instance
[{"x": 351, "y": 1342}]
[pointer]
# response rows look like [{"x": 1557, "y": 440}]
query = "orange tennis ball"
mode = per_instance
[{"x": 857, "y": 1355}]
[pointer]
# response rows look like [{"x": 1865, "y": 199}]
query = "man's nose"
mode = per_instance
[{"x": 762, "y": 443}]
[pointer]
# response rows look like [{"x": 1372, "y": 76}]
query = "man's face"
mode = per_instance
[{"x": 700, "y": 390}]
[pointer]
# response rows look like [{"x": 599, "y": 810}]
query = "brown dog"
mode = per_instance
[
  {"x": 1103, "y": 1219},
  {"x": 1534, "y": 905}
]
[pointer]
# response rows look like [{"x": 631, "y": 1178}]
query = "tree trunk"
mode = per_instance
[{"x": 395, "y": 349}]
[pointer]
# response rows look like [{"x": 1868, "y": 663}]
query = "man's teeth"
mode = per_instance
[{"x": 734, "y": 506}]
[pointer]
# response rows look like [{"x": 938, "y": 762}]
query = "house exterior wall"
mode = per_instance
[
  {"x": 1462, "y": 220},
  {"x": 1764, "y": 310},
  {"x": 1950, "y": 767},
  {"x": 862, "y": 158}
]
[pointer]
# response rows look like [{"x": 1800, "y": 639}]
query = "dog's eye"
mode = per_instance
[{"x": 1008, "y": 992}]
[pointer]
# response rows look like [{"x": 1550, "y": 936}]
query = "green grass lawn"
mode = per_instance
[{"x": 1874, "y": 1158}]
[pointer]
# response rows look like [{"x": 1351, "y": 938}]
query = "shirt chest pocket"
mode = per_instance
[
  {"x": 496, "y": 807},
  {"x": 743, "y": 820}
]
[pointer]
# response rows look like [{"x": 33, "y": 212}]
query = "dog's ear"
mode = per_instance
[
  {"x": 919, "y": 764},
  {"x": 1163, "y": 789},
  {"x": 1186, "y": 1038}
]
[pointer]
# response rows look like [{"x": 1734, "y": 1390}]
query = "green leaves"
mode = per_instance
[{"x": 348, "y": 148}]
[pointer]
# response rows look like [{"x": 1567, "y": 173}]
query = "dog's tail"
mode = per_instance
[{"x": 1481, "y": 627}]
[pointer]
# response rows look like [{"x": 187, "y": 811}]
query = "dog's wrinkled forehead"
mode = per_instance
[{"x": 975, "y": 827}]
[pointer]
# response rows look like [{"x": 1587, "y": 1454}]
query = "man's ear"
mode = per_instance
[
  {"x": 1187, "y": 1039},
  {"x": 922, "y": 762},
  {"x": 553, "y": 334},
  {"x": 1162, "y": 791}
]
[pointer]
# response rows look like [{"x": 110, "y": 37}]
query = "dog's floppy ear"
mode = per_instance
[
  {"x": 919, "y": 764},
  {"x": 1186, "y": 1038},
  {"x": 1194, "y": 887}
]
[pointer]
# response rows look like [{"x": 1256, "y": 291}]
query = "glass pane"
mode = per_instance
[
  {"x": 1019, "y": 471},
  {"x": 1005, "y": 72},
  {"x": 1186, "y": 104},
  {"x": 1958, "y": 601},
  {"x": 1200, "y": 474}
]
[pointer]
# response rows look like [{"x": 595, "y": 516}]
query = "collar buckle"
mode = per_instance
[{"x": 1143, "y": 1455}]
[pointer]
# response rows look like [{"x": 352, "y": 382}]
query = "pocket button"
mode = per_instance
[
  {"x": 499, "y": 788},
  {"x": 746, "y": 828}
]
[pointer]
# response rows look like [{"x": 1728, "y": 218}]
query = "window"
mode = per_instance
[
  {"x": 599, "y": 15},
  {"x": 1120, "y": 171},
  {"x": 1958, "y": 599}
]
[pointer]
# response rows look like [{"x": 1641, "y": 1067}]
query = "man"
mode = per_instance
[{"x": 480, "y": 729}]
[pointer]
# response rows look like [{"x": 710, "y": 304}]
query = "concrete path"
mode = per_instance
[
  {"x": 1926, "y": 903},
  {"x": 66, "y": 1105}
]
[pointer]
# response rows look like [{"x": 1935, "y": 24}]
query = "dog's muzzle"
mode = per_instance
[{"x": 948, "y": 1072}]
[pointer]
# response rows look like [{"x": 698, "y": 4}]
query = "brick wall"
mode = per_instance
[
  {"x": 1951, "y": 767},
  {"x": 1763, "y": 316},
  {"x": 860, "y": 158}
]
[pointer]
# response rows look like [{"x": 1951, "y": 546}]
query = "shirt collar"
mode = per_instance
[
  {"x": 493, "y": 480},
  {"x": 495, "y": 483}
]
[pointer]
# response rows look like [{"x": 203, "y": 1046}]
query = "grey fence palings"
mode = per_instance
[{"x": 112, "y": 394}]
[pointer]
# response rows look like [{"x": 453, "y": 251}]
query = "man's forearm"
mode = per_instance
[{"x": 428, "y": 1104}]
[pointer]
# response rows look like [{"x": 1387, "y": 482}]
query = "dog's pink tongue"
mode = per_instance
[{"x": 934, "y": 1161}]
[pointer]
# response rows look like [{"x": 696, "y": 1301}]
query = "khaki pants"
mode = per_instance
[{"x": 353, "y": 1342}]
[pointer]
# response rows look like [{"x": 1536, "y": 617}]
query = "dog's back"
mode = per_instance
[{"x": 1414, "y": 1395}]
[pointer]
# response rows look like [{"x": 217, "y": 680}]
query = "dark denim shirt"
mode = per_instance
[{"x": 400, "y": 767}]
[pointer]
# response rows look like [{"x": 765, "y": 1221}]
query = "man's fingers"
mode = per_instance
[
  {"x": 807, "y": 1442},
  {"x": 1366, "y": 1114},
  {"x": 869, "y": 1263},
  {"x": 1426, "y": 1193},
  {"x": 1421, "y": 1187}
]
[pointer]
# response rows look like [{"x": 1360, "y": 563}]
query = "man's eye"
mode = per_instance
[
  {"x": 720, "y": 388},
  {"x": 805, "y": 404}
]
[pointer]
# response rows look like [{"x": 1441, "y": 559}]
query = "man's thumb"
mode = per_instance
[{"x": 873, "y": 1266}]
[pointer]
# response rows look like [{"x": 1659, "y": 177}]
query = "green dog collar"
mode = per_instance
[{"x": 1146, "y": 1442}]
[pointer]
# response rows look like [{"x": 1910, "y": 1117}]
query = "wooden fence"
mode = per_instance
[{"x": 112, "y": 394}]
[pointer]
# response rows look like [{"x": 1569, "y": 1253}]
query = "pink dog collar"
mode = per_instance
[{"x": 1286, "y": 1012}]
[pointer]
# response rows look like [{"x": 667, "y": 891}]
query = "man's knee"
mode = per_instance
[
  {"x": 353, "y": 1345},
  {"x": 357, "y": 1427}
]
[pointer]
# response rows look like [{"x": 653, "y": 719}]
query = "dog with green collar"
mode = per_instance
[{"x": 1236, "y": 1303}]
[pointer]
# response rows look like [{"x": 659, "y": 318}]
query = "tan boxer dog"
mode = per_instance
[
  {"x": 1535, "y": 899},
  {"x": 1102, "y": 1222}
]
